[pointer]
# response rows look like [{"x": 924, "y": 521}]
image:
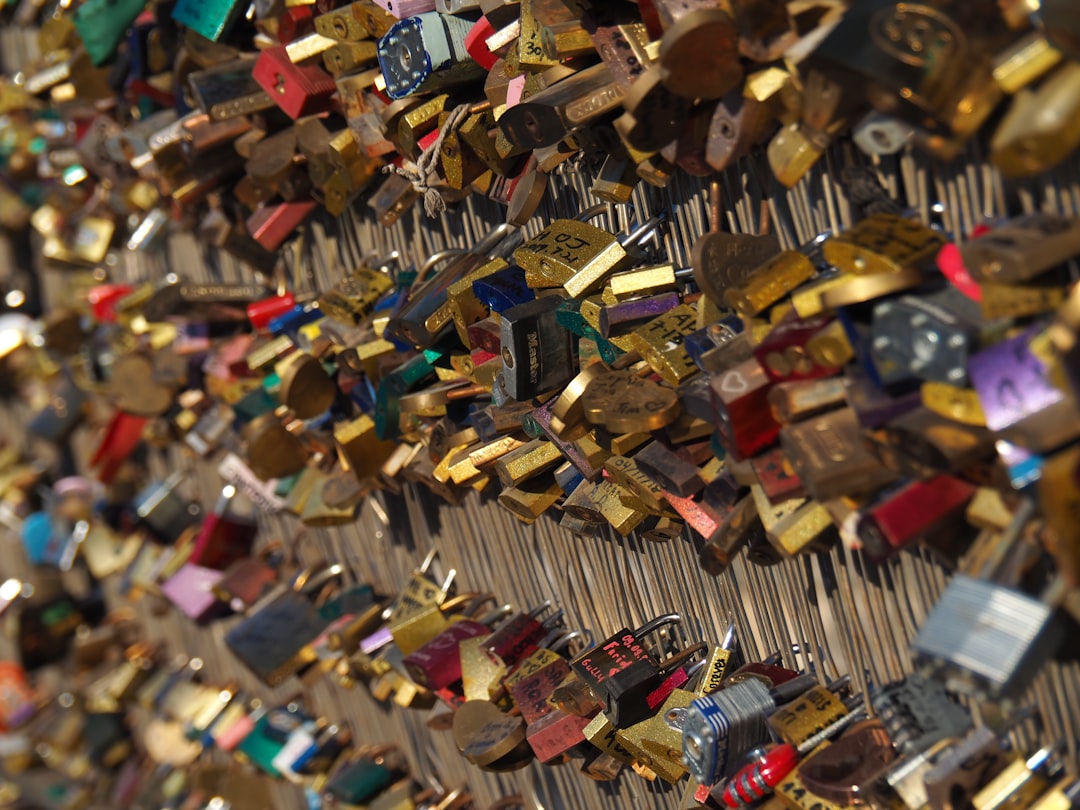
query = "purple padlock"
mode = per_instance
[
  {"x": 1011, "y": 381},
  {"x": 640, "y": 309}
]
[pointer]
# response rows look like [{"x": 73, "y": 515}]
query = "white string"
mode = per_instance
[{"x": 422, "y": 173}]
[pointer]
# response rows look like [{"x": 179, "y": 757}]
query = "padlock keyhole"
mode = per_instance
[{"x": 279, "y": 83}]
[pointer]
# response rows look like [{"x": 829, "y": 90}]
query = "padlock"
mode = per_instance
[
  {"x": 892, "y": 522},
  {"x": 623, "y": 672},
  {"x": 299, "y": 90},
  {"x": 1035, "y": 133},
  {"x": 533, "y": 681},
  {"x": 1021, "y": 249},
  {"x": 418, "y": 615},
  {"x": 223, "y": 539},
  {"x": 656, "y": 742},
  {"x": 969, "y": 654},
  {"x": 198, "y": 726},
  {"x": 964, "y": 767},
  {"x": 720, "y": 728},
  {"x": 210, "y": 20},
  {"x": 919, "y": 714},
  {"x": 787, "y": 353},
  {"x": 272, "y": 641},
  {"x": 437, "y": 664},
  {"x": 426, "y": 315},
  {"x": 669, "y": 470},
  {"x": 817, "y": 710},
  {"x": 1011, "y": 381},
  {"x": 269, "y": 733},
  {"x": 353, "y": 299},
  {"x": 408, "y": 8},
  {"x": 1022, "y": 781},
  {"x": 164, "y": 511},
  {"x": 64, "y": 411},
  {"x": 661, "y": 343},
  {"x": 564, "y": 250},
  {"x": 487, "y": 661},
  {"x": 922, "y": 444},
  {"x": 272, "y": 450},
  {"x": 891, "y": 70},
  {"x": 489, "y": 738},
  {"x": 537, "y": 353},
  {"x": 424, "y": 53},
  {"x": 829, "y": 457},
  {"x": 740, "y": 402},
  {"x": 769, "y": 283},
  {"x": 929, "y": 337},
  {"x": 236, "y": 723},
  {"x": 801, "y": 143},
  {"x": 190, "y": 589},
  {"x": 882, "y": 243}
]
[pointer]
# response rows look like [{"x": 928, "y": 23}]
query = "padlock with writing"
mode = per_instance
[
  {"x": 623, "y": 671},
  {"x": 1022, "y": 248},
  {"x": 828, "y": 455},
  {"x": 534, "y": 680},
  {"x": 537, "y": 352}
]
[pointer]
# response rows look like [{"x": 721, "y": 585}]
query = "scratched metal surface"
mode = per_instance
[{"x": 834, "y": 611}]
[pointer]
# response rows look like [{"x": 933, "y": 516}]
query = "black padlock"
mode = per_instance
[{"x": 622, "y": 672}]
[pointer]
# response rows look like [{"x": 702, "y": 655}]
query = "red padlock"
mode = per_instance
[
  {"x": 260, "y": 313},
  {"x": 299, "y": 90},
  {"x": 741, "y": 411},
  {"x": 913, "y": 512},
  {"x": 556, "y": 733},
  {"x": 476, "y": 43},
  {"x": 271, "y": 225},
  {"x": 437, "y": 663}
]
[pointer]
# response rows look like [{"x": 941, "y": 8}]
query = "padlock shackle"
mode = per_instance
[
  {"x": 841, "y": 683},
  {"x": 464, "y": 599},
  {"x": 681, "y": 657},
  {"x": 643, "y": 230},
  {"x": 553, "y": 620},
  {"x": 315, "y": 577},
  {"x": 694, "y": 669},
  {"x": 995, "y": 567},
  {"x": 477, "y": 601},
  {"x": 434, "y": 260},
  {"x": 656, "y": 624},
  {"x": 495, "y": 613},
  {"x": 455, "y": 795},
  {"x": 592, "y": 212},
  {"x": 428, "y": 560},
  {"x": 492, "y": 239},
  {"x": 555, "y": 637},
  {"x": 536, "y": 611}
]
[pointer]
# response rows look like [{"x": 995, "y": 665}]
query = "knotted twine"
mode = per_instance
[{"x": 422, "y": 173}]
